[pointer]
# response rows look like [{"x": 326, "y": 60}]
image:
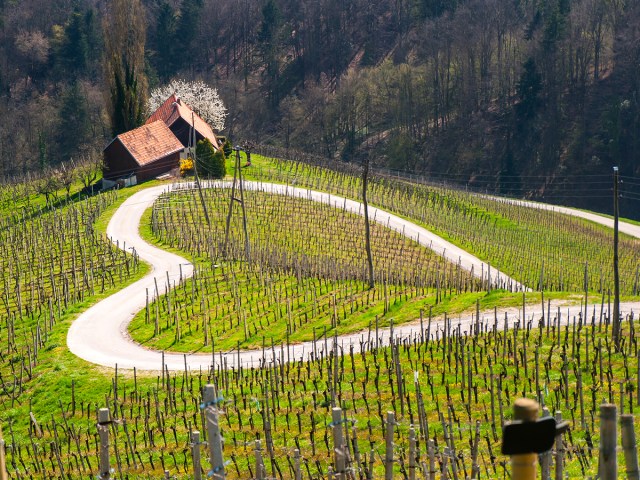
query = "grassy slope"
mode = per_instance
[
  {"x": 58, "y": 368},
  {"x": 402, "y": 309}
]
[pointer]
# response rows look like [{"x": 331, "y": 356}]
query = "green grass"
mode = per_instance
[
  {"x": 278, "y": 223},
  {"x": 233, "y": 308},
  {"x": 153, "y": 407},
  {"x": 559, "y": 248}
]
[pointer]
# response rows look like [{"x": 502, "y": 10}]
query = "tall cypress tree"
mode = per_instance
[{"x": 124, "y": 31}]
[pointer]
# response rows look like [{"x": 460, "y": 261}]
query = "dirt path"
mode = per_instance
[{"x": 99, "y": 335}]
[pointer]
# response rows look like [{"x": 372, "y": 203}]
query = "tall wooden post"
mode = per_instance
[
  {"x": 195, "y": 455},
  {"x": 3, "y": 461},
  {"x": 545, "y": 458},
  {"x": 388, "y": 457},
  {"x": 195, "y": 170},
  {"x": 237, "y": 179},
  {"x": 412, "y": 453},
  {"x": 338, "y": 443},
  {"x": 103, "y": 433},
  {"x": 608, "y": 466},
  {"x": 296, "y": 464},
  {"x": 367, "y": 228},
  {"x": 616, "y": 276},
  {"x": 213, "y": 433},
  {"x": 559, "y": 473},
  {"x": 260, "y": 472},
  {"x": 244, "y": 212},
  {"x": 524, "y": 467},
  {"x": 629, "y": 447}
]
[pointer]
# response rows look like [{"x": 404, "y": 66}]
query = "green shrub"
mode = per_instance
[
  {"x": 227, "y": 148},
  {"x": 211, "y": 162}
]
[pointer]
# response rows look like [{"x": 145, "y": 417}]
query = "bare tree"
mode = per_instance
[{"x": 89, "y": 168}]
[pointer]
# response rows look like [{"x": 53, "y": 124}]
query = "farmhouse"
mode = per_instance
[
  {"x": 156, "y": 147},
  {"x": 146, "y": 152},
  {"x": 180, "y": 119}
]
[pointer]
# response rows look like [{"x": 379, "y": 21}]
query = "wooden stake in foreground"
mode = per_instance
[
  {"x": 213, "y": 433},
  {"x": 103, "y": 432},
  {"x": 524, "y": 466},
  {"x": 629, "y": 447},
  {"x": 3, "y": 463},
  {"x": 608, "y": 466}
]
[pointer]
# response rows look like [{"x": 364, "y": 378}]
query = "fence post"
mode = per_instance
[
  {"x": 545, "y": 458},
  {"x": 629, "y": 447},
  {"x": 103, "y": 432},
  {"x": 195, "y": 455},
  {"x": 432, "y": 459},
  {"x": 213, "y": 433},
  {"x": 608, "y": 467},
  {"x": 523, "y": 467},
  {"x": 338, "y": 442},
  {"x": 559, "y": 451},
  {"x": 412, "y": 453},
  {"x": 388, "y": 457},
  {"x": 475, "y": 468},
  {"x": 3, "y": 461},
  {"x": 259, "y": 461},
  {"x": 296, "y": 464}
]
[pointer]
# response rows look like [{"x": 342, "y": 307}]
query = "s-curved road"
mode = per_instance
[{"x": 99, "y": 335}]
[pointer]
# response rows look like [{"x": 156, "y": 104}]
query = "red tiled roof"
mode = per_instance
[
  {"x": 164, "y": 111},
  {"x": 150, "y": 142},
  {"x": 173, "y": 108}
]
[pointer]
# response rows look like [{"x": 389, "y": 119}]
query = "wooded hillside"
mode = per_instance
[{"x": 534, "y": 98}]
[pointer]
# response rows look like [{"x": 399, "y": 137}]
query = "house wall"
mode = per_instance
[
  {"x": 119, "y": 164},
  {"x": 118, "y": 161},
  {"x": 163, "y": 165}
]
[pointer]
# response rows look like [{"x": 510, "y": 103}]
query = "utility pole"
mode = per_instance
[
  {"x": 616, "y": 276},
  {"x": 192, "y": 141},
  {"x": 367, "y": 228},
  {"x": 237, "y": 179}
]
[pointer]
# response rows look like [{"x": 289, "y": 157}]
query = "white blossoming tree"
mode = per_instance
[{"x": 202, "y": 98}]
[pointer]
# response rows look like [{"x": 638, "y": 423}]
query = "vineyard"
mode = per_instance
[
  {"x": 307, "y": 273},
  {"x": 565, "y": 253},
  {"x": 442, "y": 394}
]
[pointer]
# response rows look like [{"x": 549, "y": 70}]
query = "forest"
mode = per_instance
[{"x": 528, "y": 98}]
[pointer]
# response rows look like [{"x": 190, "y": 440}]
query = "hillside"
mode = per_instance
[
  {"x": 528, "y": 98},
  {"x": 427, "y": 344}
]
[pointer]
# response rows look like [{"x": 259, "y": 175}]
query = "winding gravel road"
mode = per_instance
[{"x": 99, "y": 335}]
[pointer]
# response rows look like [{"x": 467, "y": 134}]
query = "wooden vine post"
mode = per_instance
[
  {"x": 616, "y": 276},
  {"x": 608, "y": 466},
  {"x": 260, "y": 472},
  {"x": 192, "y": 137},
  {"x": 3, "y": 462},
  {"x": 367, "y": 228},
  {"x": 237, "y": 179},
  {"x": 103, "y": 433},
  {"x": 210, "y": 405},
  {"x": 195, "y": 454},
  {"x": 629, "y": 447},
  {"x": 524, "y": 466},
  {"x": 412, "y": 453},
  {"x": 388, "y": 458},
  {"x": 340, "y": 462}
]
